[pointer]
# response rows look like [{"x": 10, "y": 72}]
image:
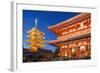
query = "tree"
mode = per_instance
[{"x": 57, "y": 51}]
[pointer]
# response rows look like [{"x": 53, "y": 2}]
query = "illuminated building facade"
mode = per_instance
[{"x": 73, "y": 37}]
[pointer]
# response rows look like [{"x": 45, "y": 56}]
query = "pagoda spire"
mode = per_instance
[{"x": 36, "y": 21}]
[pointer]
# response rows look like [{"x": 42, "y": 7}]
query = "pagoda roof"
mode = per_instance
[
  {"x": 70, "y": 21},
  {"x": 53, "y": 42},
  {"x": 34, "y": 29}
]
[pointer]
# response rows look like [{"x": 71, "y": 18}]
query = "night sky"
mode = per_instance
[{"x": 45, "y": 19}]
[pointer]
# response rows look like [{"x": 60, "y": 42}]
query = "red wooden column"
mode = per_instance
[
  {"x": 89, "y": 46},
  {"x": 62, "y": 51},
  {"x": 69, "y": 51},
  {"x": 78, "y": 50}
]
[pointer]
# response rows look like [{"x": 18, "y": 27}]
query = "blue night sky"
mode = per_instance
[{"x": 45, "y": 19}]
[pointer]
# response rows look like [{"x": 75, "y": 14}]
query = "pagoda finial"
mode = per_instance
[{"x": 36, "y": 22}]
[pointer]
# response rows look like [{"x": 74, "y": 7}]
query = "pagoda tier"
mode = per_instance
[
  {"x": 81, "y": 21},
  {"x": 73, "y": 37},
  {"x": 55, "y": 42},
  {"x": 75, "y": 49}
]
